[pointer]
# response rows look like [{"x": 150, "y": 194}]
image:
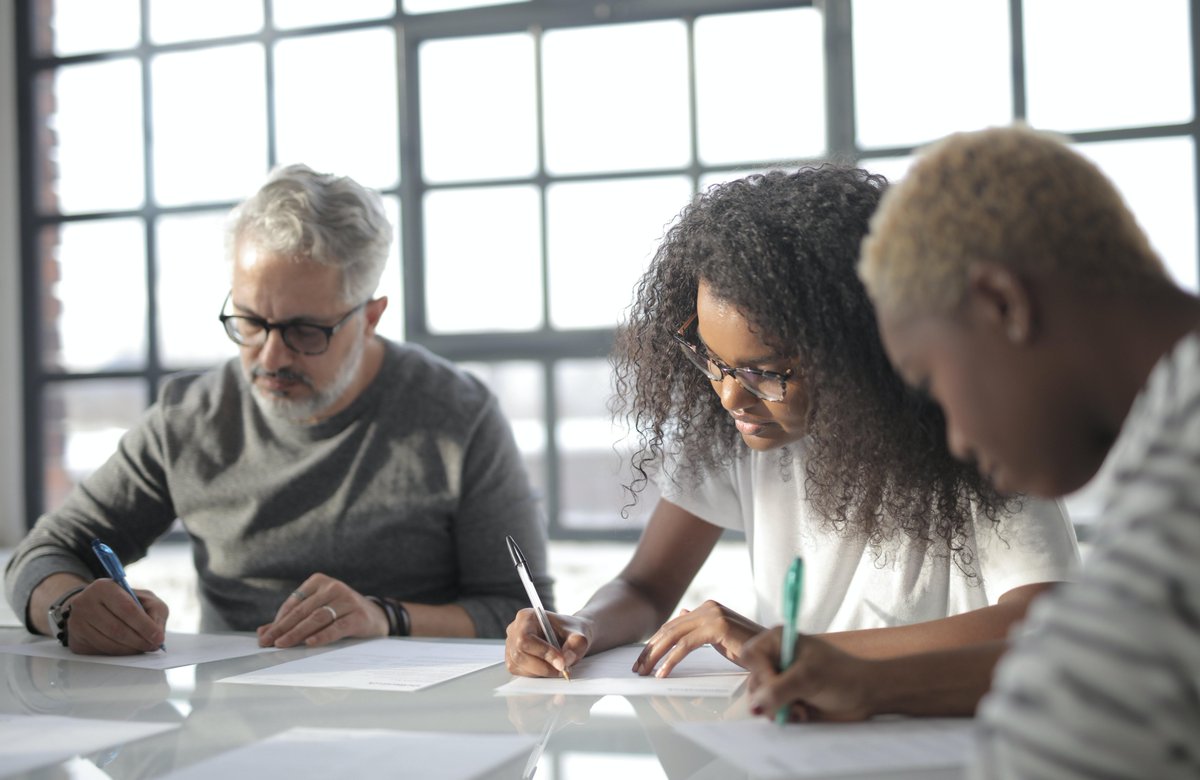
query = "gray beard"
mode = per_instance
[{"x": 306, "y": 410}]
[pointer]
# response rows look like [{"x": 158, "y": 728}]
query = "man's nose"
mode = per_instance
[{"x": 274, "y": 354}]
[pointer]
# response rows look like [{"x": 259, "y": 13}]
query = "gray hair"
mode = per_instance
[{"x": 328, "y": 219}]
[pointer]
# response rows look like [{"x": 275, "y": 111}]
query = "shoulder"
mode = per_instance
[
  {"x": 197, "y": 391},
  {"x": 426, "y": 383}
]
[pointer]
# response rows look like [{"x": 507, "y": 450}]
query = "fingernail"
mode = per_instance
[
  {"x": 756, "y": 709},
  {"x": 557, "y": 663}
]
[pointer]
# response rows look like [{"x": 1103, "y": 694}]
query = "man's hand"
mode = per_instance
[
  {"x": 320, "y": 611},
  {"x": 527, "y": 653},
  {"x": 823, "y": 683},
  {"x": 710, "y": 623},
  {"x": 104, "y": 620}
]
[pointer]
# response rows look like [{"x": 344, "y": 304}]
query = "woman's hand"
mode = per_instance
[
  {"x": 527, "y": 653},
  {"x": 710, "y": 623},
  {"x": 823, "y": 683},
  {"x": 320, "y": 611}
]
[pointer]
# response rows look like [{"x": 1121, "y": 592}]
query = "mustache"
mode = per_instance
[{"x": 285, "y": 374}]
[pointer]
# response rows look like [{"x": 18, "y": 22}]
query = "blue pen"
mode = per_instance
[
  {"x": 793, "y": 587},
  {"x": 112, "y": 565}
]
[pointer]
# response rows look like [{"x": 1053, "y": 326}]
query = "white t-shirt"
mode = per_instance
[
  {"x": 1103, "y": 680},
  {"x": 848, "y": 584}
]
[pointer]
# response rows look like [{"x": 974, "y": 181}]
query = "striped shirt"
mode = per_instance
[{"x": 1104, "y": 679}]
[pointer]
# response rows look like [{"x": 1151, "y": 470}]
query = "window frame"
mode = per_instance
[{"x": 544, "y": 346}]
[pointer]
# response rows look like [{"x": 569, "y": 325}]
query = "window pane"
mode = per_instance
[
  {"x": 478, "y": 122},
  {"x": 95, "y": 316},
  {"x": 433, "y": 6},
  {"x": 520, "y": 387},
  {"x": 335, "y": 102},
  {"x": 616, "y": 97},
  {"x": 1128, "y": 64},
  {"x": 601, "y": 236},
  {"x": 93, "y": 134},
  {"x": 594, "y": 453},
  {"x": 740, "y": 61},
  {"x": 391, "y": 325},
  {"x": 303, "y": 13},
  {"x": 172, "y": 20},
  {"x": 193, "y": 279},
  {"x": 66, "y": 27},
  {"x": 1148, "y": 174},
  {"x": 210, "y": 137},
  {"x": 926, "y": 68},
  {"x": 487, "y": 277},
  {"x": 81, "y": 425}
]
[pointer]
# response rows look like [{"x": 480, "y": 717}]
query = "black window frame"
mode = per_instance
[{"x": 545, "y": 346}]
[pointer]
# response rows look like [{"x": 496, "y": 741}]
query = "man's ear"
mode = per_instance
[
  {"x": 998, "y": 297},
  {"x": 373, "y": 311}
]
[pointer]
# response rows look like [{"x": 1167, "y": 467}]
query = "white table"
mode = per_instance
[{"x": 612, "y": 737}]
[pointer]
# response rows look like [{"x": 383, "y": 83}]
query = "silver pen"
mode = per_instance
[{"x": 523, "y": 570}]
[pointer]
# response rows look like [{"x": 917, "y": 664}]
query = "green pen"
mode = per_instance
[{"x": 793, "y": 586}]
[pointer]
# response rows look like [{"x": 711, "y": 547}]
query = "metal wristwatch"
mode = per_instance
[{"x": 58, "y": 613}]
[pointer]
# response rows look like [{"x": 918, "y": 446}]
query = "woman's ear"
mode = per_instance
[{"x": 998, "y": 297}]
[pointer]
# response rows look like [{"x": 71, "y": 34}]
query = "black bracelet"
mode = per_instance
[
  {"x": 388, "y": 612},
  {"x": 403, "y": 620}
]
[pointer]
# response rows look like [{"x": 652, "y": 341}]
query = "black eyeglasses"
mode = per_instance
[
  {"x": 767, "y": 385},
  {"x": 307, "y": 338}
]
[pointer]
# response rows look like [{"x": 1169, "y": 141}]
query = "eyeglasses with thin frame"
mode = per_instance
[
  {"x": 307, "y": 338},
  {"x": 767, "y": 385}
]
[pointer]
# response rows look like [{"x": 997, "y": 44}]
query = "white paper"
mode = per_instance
[
  {"x": 302, "y": 753},
  {"x": 31, "y": 741},
  {"x": 182, "y": 650},
  {"x": 380, "y": 664},
  {"x": 764, "y": 749},
  {"x": 704, "y": 672}
]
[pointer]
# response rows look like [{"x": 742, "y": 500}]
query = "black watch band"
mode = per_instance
[{"x": 59, "y": 612}]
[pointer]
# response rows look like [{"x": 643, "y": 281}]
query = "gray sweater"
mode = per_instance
[{"x": 406, "y": 493}]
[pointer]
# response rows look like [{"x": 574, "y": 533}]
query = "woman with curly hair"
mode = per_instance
[{"x": 751, "y": 368}]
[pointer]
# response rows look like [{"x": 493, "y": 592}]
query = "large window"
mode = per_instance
[{"x": 531, "y": 155}]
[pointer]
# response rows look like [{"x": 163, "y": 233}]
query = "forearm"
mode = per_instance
[
  {"x": 941, "y": 683},
  {"x": 620, "y": 614},
  {"x": 439, "y": 620},
  {"x": 987, "y": 624}
]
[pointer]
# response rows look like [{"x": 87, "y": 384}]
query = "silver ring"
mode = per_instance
[
  {"x": 299, "y": 595},
  {"x": 332, "y": 612}
]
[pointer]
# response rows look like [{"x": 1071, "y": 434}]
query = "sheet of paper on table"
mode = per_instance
[
  {"x": 380, "y": 664},
  {"x": 764, "y": 749},
  {"x": 302, "y": 753},
  {"x": 32, "y": 741},
  {"x": 182, "y": 650},
  {"x": 704, "y": 672}
]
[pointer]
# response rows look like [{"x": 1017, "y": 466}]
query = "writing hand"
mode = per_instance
[
  {"x": 105, "y": 621},
  {"x": 710, "y": 623},
  {"x": 527, "y": 653},
  {"x": 320, "y": 611},
  {"x": 823, "y": 683}
]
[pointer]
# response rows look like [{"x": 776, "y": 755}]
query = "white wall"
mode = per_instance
[{"x": 12, "y": 512}]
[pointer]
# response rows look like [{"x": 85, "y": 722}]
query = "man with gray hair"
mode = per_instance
[{"x": 333, "y": 484}]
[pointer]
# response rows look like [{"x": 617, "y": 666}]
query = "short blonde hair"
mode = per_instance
[{"x": 1008, "y": 195}]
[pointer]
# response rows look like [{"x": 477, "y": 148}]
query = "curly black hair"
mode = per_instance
[{"x": 782, "y": 248}]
